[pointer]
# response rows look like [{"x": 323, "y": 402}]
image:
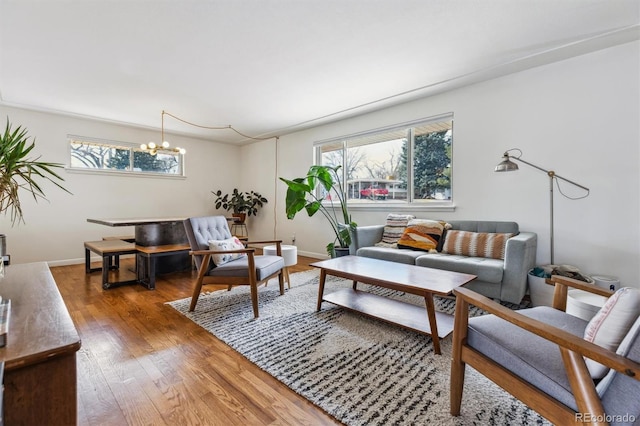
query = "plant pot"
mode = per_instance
[
  {"x": 340, "y": 252},
  {"x": 239, "y": 218},
  {"x": 540, "y": 292}
]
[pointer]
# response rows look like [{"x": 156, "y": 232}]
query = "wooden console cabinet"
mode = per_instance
[{"x": 40, "y": 382}]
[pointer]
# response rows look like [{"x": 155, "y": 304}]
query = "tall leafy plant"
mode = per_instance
[
  {"x": 18, "y": 172},
  {"x": 302, "y": 194}
]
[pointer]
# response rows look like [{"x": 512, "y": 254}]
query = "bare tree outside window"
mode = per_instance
[{"x": 111, "y": 156}]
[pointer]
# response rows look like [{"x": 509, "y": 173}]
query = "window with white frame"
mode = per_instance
[
  {"x": 408, "y": 163},
  {"x": 110, "y": 156}
]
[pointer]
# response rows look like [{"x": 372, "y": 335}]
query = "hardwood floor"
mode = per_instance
[{"x": 142, "y": 363}]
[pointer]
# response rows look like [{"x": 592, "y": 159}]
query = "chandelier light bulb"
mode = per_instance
[
  {"x": 152, "y": 145},
  {"x": 165, "y": 144},
  {"x": 143, "y": 147},
  {"x": 182, "y": 151}
]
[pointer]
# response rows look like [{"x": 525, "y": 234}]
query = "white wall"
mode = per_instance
[
  {"x": 54, "y": 231},
  {"x": 579, "y": 117}
]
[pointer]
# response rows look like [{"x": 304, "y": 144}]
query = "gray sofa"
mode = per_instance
[{"x": 505, "y": 280}]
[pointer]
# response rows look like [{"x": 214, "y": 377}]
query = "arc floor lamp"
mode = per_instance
[{"x": 507, "y": 165}]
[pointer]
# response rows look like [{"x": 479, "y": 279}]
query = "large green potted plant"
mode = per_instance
[
  {"x": 302, "y": 193},
  {"x": 18, "y": 172},
  {"x": 240, "y": 203}
]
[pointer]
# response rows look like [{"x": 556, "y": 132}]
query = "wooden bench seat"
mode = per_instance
[
  {"x": 107, "y": 249},
  {"x": 147, "y": 271},
  {"x": 127, "y": 238},
  {"x": 114, "y": 261}
]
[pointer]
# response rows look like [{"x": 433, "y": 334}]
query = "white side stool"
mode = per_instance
[
  {"x": 583, "y": 304},
  {"x": 290, "y": 255}
]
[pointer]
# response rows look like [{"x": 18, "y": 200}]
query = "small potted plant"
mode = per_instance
[
  {"x": 239, "y": 203},
  {"x": 302, "y": 194}
]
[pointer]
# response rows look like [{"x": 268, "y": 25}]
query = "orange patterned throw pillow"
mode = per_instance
[
  {"x": 476, "y": 244},
  {"x": 422, "y": 234},
  {"x": 393, "y": 230}
]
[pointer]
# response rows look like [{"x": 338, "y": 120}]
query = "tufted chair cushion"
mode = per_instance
[{"x": 202, "y": 229}]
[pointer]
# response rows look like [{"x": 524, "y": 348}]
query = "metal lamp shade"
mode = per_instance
[{"x": 506, "y": 165}]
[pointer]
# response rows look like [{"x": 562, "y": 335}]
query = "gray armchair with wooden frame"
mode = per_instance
[
  {"x": 249, "y": 269},
  {"x": 537, "y": 355}
]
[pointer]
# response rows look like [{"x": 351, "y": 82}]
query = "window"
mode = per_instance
[
  {"x": 408, "y": 163},
  {"x": 110, "y": 156}
]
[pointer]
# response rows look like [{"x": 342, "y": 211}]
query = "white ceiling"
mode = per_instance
[{"x": 269, "y": 67}]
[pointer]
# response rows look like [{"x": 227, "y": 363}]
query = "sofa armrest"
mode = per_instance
[
  {"x": 520, "y": 257},
  {"x": 365, "y": 236}
]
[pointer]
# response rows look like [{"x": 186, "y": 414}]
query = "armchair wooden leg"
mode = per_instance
[
  {"x": 457, "y": 365},
  {"x": 254, "y": 298},
  {"x": 196, "y": 294},
  {"x": 281, "y": 281},
  {"x": 457, "y": 385},
  {"x": 198, "y": 284}
]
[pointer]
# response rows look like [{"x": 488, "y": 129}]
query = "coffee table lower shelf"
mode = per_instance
[{"x": 407, "y": 315}]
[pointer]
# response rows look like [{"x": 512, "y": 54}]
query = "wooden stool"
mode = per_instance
[
  {"x": 146, "y": 271},
  {"x": 114, "y": 261},
  {"x": 107, "y": 249}
]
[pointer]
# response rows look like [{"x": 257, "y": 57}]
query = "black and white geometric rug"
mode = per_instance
[{"x": 359, "y": 370}]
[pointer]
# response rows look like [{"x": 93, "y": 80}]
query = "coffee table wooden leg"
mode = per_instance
[
  {"x": 431, "y": 313},
  {"x": 323, "y": 276},
  {"x": 355, "y": 284}
]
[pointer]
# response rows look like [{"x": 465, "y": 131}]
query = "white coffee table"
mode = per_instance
[{"x": 290, "y": 255}]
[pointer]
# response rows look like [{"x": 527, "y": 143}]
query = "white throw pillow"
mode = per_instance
[
  {"x": 232, "y": 243},
  {"x": 611, "y": 324}
]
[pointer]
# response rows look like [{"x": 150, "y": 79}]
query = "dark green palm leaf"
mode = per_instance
[{"x": 18, "y": 172}]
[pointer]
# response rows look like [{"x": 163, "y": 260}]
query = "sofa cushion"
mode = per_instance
[
  {"x": 611, "y": 324},
  {"x": 485, "y": 226},
  {"x": 391, "y": 254},
  {"x": 265, "y": 266},
  {"x": 422, "y": 234},
  {"x": 487, "y": 270},
  {"x": 393, "y": 229},
  {"x": 536, "y": 360},
  {"x": 476, "y": 244}
]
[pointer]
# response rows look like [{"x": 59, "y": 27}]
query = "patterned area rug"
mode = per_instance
[{"x": 360, "y": 371}]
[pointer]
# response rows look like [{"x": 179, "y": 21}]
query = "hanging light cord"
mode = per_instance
[{"x": 230, "y": 127}]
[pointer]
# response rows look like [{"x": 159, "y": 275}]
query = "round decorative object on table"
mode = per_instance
[
  {"x": 606, "y": 281},
  {"x": 290, "y": 255}
]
